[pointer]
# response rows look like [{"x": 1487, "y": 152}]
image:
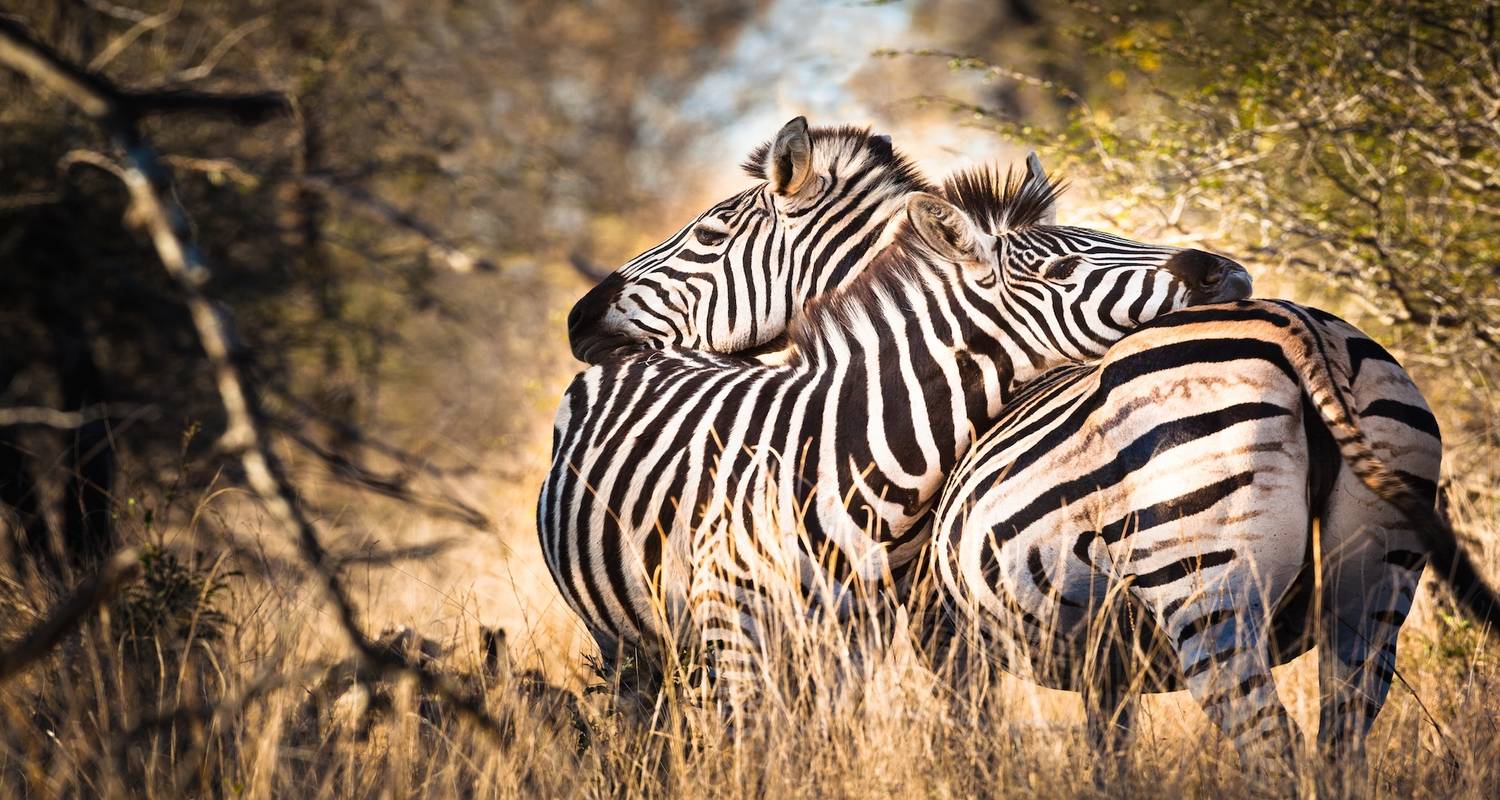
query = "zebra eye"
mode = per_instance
[
  {"x": 708, "y": 237},
  {"x": 1062, "y": 268}
]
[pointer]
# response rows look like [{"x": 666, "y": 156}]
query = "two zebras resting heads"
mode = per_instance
[{"x": 976, "y": 395}]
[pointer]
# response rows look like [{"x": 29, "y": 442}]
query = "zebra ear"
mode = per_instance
[
  {"x": 944, "y": 229},
  {"x": 790, "y": 159},
  {"x": 1035, "y": 174}
]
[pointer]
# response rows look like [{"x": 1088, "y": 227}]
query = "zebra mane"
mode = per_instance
[
  {"x": 852, "y": 140},
  {"x": 999, "y": 203}
]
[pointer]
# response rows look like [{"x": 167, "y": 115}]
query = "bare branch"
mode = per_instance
[
  {"x": 166, "y": 223},
  {"x": 92, "y": 158},
  {"x": 394, "y": 486},
  {"x": 454, "y": 257},
  {"x": 206, "y": 67},
  {"x": 116, "y": 11},
  {"x": 410, "y": 461},
  {"x": 62, "y": 420},
  {"x": 135, "y": 32},
  {"x": 245, "y": 108},
  {"x": 97, "y": 97},
  {"x": 215, "y": 168},
  {"x": 17, "y": 202}
]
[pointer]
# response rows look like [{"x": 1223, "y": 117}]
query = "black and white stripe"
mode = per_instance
[
  {"x": 686, "y": 488},
  {"x": 1227, "y": 429}
]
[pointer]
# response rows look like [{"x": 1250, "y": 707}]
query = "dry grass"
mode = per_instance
[{"x": 257, "y": 705}]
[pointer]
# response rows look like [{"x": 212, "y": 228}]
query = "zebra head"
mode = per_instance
[
  {"x": 734, "y": 276},
  {"x": 1048, "y": 293}
]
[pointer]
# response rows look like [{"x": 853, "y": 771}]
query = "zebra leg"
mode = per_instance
[
  {"x": 1110, "y": 701},
  {"x": 618, "y": 660},
  {"x": 1372, "y": 560},
  {"x": 1371, "y": 573},
  {"x": 727, "y": 637},
  {"x": 1226, "y": 660},
  {"x": 632, "y": 674},
  {"x": 1110, "y": 706}
]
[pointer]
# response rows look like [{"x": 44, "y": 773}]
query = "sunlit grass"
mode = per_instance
[{"x": 267, "y": 709}]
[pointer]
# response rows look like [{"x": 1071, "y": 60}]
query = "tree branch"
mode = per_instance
[
  {"x": 97, "y": 97},
  {"x": 394, "y": 486},
  {"x": 154, "y": 205},
  {"x": 61, "y": 420},
  {"x": 454, "y": 257}
]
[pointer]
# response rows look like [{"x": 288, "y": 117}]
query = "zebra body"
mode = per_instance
[
  {"x": 1184, "y": 473},
  {"x": 683, "y": 483}
]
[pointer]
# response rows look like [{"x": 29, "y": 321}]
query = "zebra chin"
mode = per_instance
[
  {"x": 589, "y": 334},
  {"x": 599, "y": 347}
]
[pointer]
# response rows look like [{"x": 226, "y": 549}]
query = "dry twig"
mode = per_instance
[
  {"x": 438, "y": 247},
  {"x": 61, "y": 420}
]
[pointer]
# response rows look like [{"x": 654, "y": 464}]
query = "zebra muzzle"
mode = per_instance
[
  {"x": 587, "y": 334},
  {"x": 1209, "y": 277}
]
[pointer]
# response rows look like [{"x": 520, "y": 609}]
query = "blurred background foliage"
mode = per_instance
[
  {"x": 1355, "y": 141},
  {"x": 502, "y": 129}
]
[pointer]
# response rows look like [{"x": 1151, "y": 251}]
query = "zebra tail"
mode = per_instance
[{"x": 1332, "y": 396}]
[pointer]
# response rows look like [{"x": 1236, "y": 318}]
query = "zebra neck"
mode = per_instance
[
  {"x": 884, "y": 326},
  {"x": 916, "y": 348}
]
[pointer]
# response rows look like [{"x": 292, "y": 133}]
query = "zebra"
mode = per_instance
[
  {"x": 1195, "y": 473},
  {"x": 1389, "y": 405},
  {"x": 681, "y": 479}
]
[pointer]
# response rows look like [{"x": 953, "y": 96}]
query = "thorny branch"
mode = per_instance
[{"x": 154, "y": 205}]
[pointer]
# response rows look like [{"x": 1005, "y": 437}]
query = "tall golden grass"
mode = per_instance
[{"x": 261, "y": 703}]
